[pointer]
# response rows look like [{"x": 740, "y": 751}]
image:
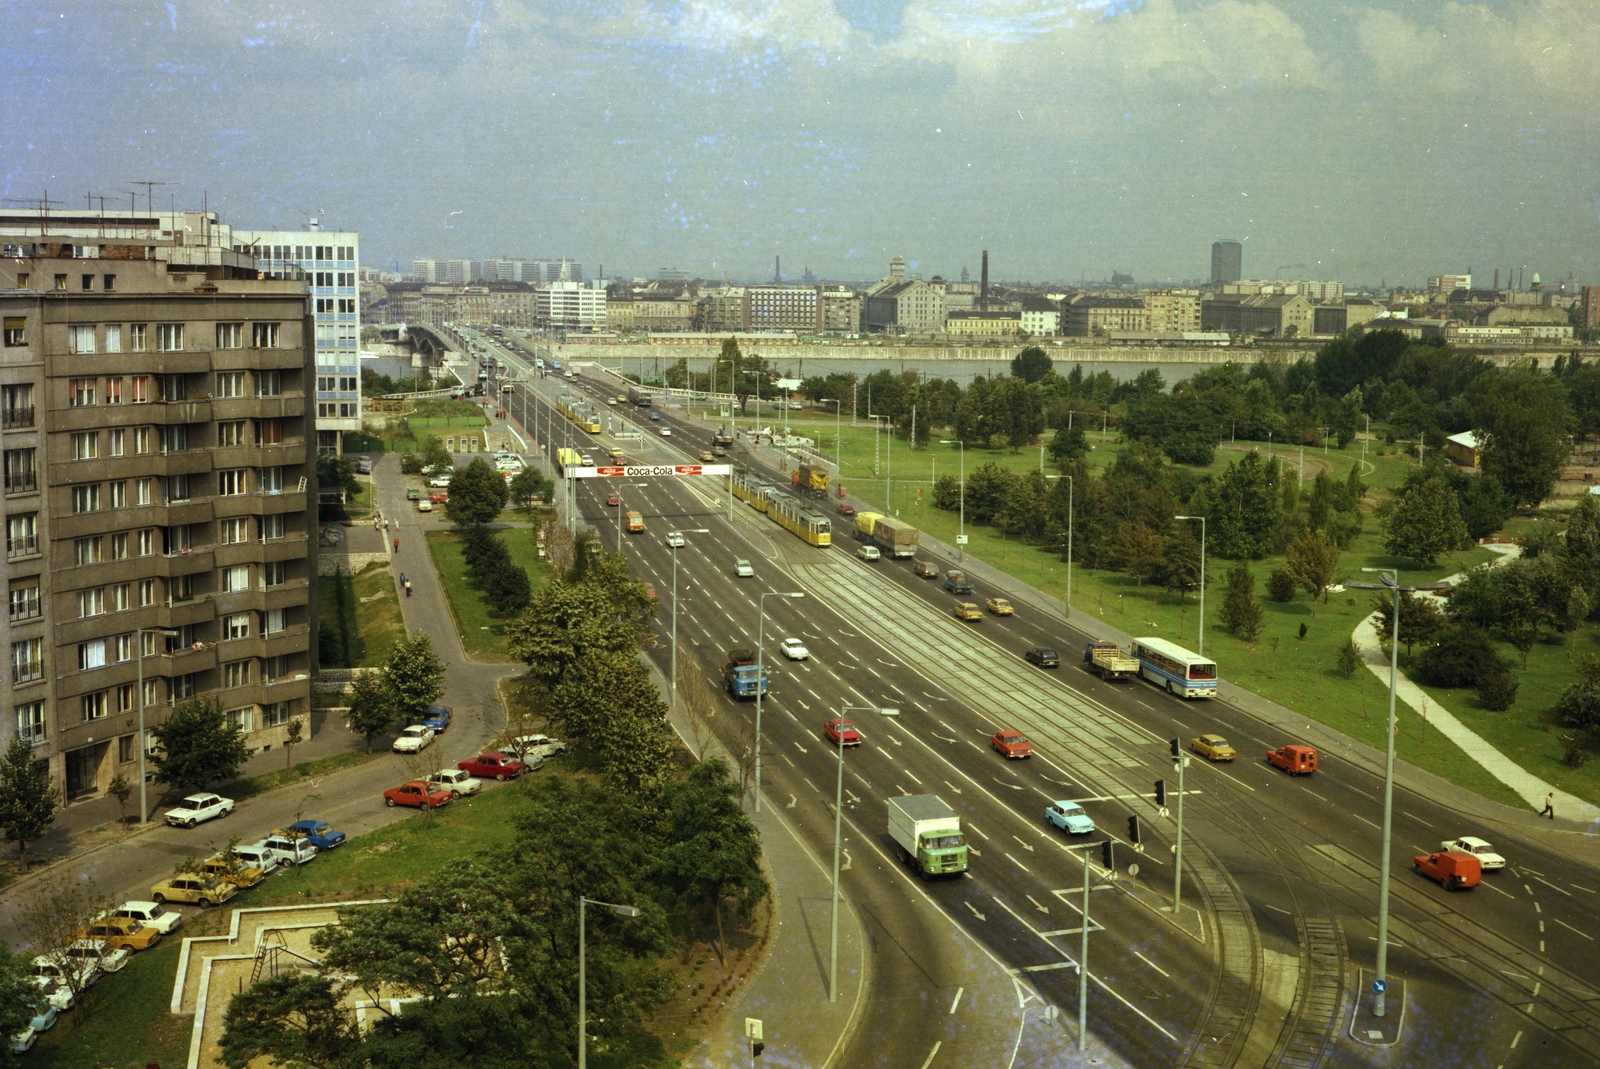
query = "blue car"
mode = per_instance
[
  {"x": 1069, "y": 817},
  {"x": 318, "y": 834},
  {"x": 437, "y": 718}
]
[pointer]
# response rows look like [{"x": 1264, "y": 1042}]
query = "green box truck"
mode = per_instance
[{"x": 928, "y": 833}]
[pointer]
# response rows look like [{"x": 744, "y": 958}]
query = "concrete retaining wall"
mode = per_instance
[{"x": 350, "y": 563}]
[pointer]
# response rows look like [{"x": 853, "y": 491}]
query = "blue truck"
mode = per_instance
[
  {"x": 740, "y": 674},
  {"x": 957, "y": 582}
]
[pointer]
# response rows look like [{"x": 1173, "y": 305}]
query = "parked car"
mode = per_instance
[
  {"x": 316, "y": 832},
  {"x": 364, "y": 465},
  {"x": 846, "y": 510},
  {"x": 197, "y": 890},
  {"x": 424, "y": 506},
  {"x": 416, "y": 794},
  {"x": 497, "y": 766},
  {"x": 538, "y": 746},
  {"x": 1069, "y": 817},
  {"x": 258, "y": 857},
  {"x": 1295, "y": 759},
  {"x": 232, "y": 870},
  {"x": 439, "y": 497},
  {"x": 869, "y": 553},
  {"x": 1043, "y": 656},
  {"x": 1000, "y": 607},
  {"x": 1488, "y": 859},
  {"x": 794, "y": 649},
  {"x": 925, "y": 569},
  {"x": 152, "y": 914},
  {"x": 442, "y": 479},
  {"x": 289, "y": 849},
  {"x": 97, "y": 952},
  {"x": 413, "y": 739},
  {"x": 57, "y": 995},
  {"x": 675, "y": 540},
  {"x": 457, "y": 782},
  {"x": 841, "y": 732},
  {"x": 122, "y": 933},
  {"x": 742, "y": 569},
  {"x": 437, "y": 718},
  {"x": 43, "y": 1021},
  {"x": 1213, "y": 747},
  {"x": 1454, "y": 870},
  {"x": 1011, "y": 744},
  {"x": 968, "y": 611},
  {"x": 197, "y": 809},
  {"x": 74, "y": 974}
]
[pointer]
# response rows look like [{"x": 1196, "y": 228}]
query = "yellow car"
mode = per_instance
[
  {"x": 122, "y": 933},
  {"x": 999, "y": 606},
  {"x": 966, "y": 610},
  {"x": 233, "y": 871},
  {"x": 1214, "y": 747},
  {"x": 203, "y": 891}
]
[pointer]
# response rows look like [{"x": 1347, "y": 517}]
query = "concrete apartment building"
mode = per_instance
[
  {"x": 571, "y": 306},
  {"x": 1088, "y": 315},
  {"x": 1041, "y": 316},
  {"x": 159, "y": 490},
  {"x": 1171, "y": 311},
  {"x": 327, "y": 260}
]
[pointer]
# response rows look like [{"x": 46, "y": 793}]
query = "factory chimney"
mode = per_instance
[{"x": 983, "y": 287}]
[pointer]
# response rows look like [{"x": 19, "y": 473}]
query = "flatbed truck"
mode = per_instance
[{"x": 1108, "y": 661}]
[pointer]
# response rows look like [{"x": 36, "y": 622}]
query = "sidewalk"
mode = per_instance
[{"x": 788, "y": 992}]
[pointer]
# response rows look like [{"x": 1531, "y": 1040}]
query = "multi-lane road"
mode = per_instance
[{"x": 1277, "y": 932}]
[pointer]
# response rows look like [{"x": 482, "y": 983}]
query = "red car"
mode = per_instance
[
  {"x": 1010, "y": 744},
  {"x": 847, "y": 510},
  {"x": 497, "y": 765},
  {"x": 841, "y": 732},
  {"x": 613, "y": 500},
  {"x": 439, "y": 497},
  {"x": 416, "y": 794},
  {"x": 650, "y": 588}
]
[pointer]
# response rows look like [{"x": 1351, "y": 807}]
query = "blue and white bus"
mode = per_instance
[{"x": 1182, "y": 672}]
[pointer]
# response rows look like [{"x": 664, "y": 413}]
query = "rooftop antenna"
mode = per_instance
[
  {"x": 149, "y": 194},
  {"x": 43, "y": 204}
]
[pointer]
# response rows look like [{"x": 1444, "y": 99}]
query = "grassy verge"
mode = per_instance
[
  {"x": 122, "y": 1022},
  {"x": 483, "y": 634},
  {"x": 303, "y": 770},
  {"x": 378, "y": 619}
]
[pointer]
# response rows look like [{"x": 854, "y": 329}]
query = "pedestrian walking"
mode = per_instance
[
  {"x": 397, "y": 545},
  {"x": 1549, "y": 806},
  {"x": 408, "y": 588},
  {"x": 402, "y": 578}
]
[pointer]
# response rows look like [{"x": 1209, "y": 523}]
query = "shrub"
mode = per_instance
[
  {"x": 1349, "y": 659},
  {"x": 1281, "y": 585},
  {"x": 1497, "y": 690},
  {"x": 1575, "y": 749},
  {"x": 411, "y": 464},
  {"x": 1462, "y": 655}
]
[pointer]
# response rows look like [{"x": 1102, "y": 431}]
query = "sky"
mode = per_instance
[{"x": 1390, "y": 140}]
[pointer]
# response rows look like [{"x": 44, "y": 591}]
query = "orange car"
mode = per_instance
[
  {"x": 1011, "y": 744},
  {"x": 417, "y": 794}
]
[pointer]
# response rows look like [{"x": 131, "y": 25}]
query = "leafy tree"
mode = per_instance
[
  {"x": 1579, "y": 705},
  {"x": 1069, "y": 443},
  {"x": 28, "y": 800},
  {"x": 1281, "y": 585},
  {"x": 1241, "y": 613},
  {"x": 1032, "y": 364},
  {"x": 50, "y": 919},
  {"x": 1140, "y": 550},
  {"x": 1485, "y": 507},
  {"x": 1312, "y": 559},
  {"x": 1180, "y": 566},
  {"x": 197, "y": 746},
  {"x": 1420, "y": 619},
  {"x": 1459, "y": 658},
  {"x": 1349, "y": 659},
  {"x": 1425, "y": 523},
  {"x": 437, "y": 457},
  {"x": 1497, "y": 690},
  {"x": 415, "y": 675},
  {"x": 529, "y": 486},
  {"x": 1244, "y": 510},
  {"x": 291, "y": 1019},
  {"x": 947, "y": 493},
  {"x": 1181, "y": 425},
  {"x": 1521, "y": 420},
  {"x": 372, "y": 705},
  {"x": 567, "y": 623},
  {"x": 713, "y": 851},
  {"x": 337, "y": 473},
  {"x": 477, "y": 494},
  {"x": 1530, "y": 600},
  {"x": 20, "y": 998}
]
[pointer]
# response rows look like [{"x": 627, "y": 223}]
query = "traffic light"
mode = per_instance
[
  {"x": 756, "y": 1049},
  {"x": 1161, "y": 792},
  {"x": 1133, "y": 829},
  {"x": 1105, "y": 855},
  {"x": 1175, "y": 752}
]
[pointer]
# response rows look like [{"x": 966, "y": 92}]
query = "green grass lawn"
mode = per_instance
[
  {"x": 378, "y": 621},
  {"x": 123, "y": 1021},
  {"x": 482, "y": 629}
]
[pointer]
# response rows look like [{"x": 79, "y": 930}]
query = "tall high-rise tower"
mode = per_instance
[{"x": 1227, "y": 261}]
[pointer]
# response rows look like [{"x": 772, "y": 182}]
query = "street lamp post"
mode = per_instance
[
  {"x": 1202, "y": 644},
  {"x": 1388, "y": 581},
  {"x": 761, "y": 671},
  {"x": 961, "y": 539},
  {"x": 674, "y": 685},
  {"x": 144, "y": 808},
  {"x": 583, "y": 977}
]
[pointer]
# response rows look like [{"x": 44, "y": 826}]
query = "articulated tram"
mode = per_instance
[{"x": 784, "y": 510}]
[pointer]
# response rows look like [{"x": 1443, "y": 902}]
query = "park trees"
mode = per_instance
[
  {"x": 477, "y": 494},
  {"x": 1420, "y": 619},
  {"x": 1032, "y": 364},
  {"x": 713, "y": 852},
  {"x": 1521, "y": 420},
  {"x": 414, "y": 673},
  {"x": 1424, "y": 523},
  {"x": 1312, "y": 559},
  {"x": 372, "y": 707},
  {"x": 1241, "y": 612},
  {"x": 1244, "y": 509},
  {"x": 28, "y": 800},
  {"x": 196, "y": 745}
]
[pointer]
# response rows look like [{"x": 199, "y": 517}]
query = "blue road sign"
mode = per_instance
[{"x": 1379, "y": 986}]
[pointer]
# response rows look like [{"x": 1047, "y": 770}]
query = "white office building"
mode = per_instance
[
  {"x": 428, "y": 271},
  {"x": 571, "y": 305},
  {"x": 329, "y": 261}
]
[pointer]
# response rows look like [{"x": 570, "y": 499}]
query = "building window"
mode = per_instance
[
  {"x": 264, "y": 335},
  {"x": 174, "y": 388},
  {"x": 235, "y": 578},
  {"x": 80, "y": 339},
  {"x": 22, "y": 535},
  {"x": 230, "y": 432},
  {"x": 83, "y": 392},
  {"x": 86, "y": 498},
  {"x": 30, "y": 723},
  {"x": 269, "y": 432},
  {"x": 271, "y": 480},
  {"x": 21, "y": 476},
  {"x": 147, "y": 590},
  {"x": 237, "y": 626},
  {"x": 274, "y": 573},
  {"x": 175, "y": 438},
  {"x": 150, "y": 699},
  {"x": 169, "y": 337},
  {"x": 178, "y": 539},
  {"x": 61, "y": 282},
  {"x": 269, "y": 384},
  {"x": 88, "y": 283},
  {"x": 230, "y": 384},
  {"x": 272, "y": 526},
  {"x": 114, "y": 391},
  {"x": 91, "y": 654},
  {"x": 141, "y": 439},
  {"x": 25, "y": 603},
  {"x": 231, "y": 482},
  {"x": 94, "y": 706},
  {"x": 139, "y": 393},
  {"x": 138, "y": 337},
  {"x": 115, "y": 445},
  {"x": 124, "y": 648},
  {"x": 177, "y": 489},
  {"x": 234, "y": 530},
  {"x": 27, "y": 660},
  {"x": 16, "y": 331},
  {"x": 236, "y": 674},
  {"x": 274, "y": 714},
  {"x": 122, "y": 597},
  {"x": 91, "y": 603},
  {"x": 86, "y": 550},
  {"x": 239, "y": 719},
  {"x": 119, "y": 494},
  {"x": 230, "y": 335},
  {"x": 16, "y": 406},
  {"x": 276, "y": 621},
  {"x": 124, "y": 742},
  {"x": 180, "y": 588},
  {"x": 108, "y": 282},
  {"x": 86, "y": 445},
  {"x": 22, "y": 280},
  {"x": 146, "y": 541},
  {"x": 119, "y": 546}
]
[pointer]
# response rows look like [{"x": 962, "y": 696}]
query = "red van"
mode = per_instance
[
  {"x": 1456, "y": 870},
  {"x": 1295, "y": 759}
]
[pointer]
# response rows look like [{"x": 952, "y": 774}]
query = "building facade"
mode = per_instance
[
  {"x": 1172, "y": 311},
  {"x": 1040, "y": 316},
  {"x": 908, "y": 306},
  {"x": 1088, "y": 316},
  {"x": 984, "y": 324},
  {"x": 838, "y": 310},
  {"x": 571, "y": 306},
  {"x": 327, "y": 260},
  {"x": 159, "y": 489},
  {"x": 1227, "y": 261}
]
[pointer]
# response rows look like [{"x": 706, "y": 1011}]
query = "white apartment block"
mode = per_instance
[
  {"x": 571, "y": 305},
  {"x": 431, "y": 272},
  {"x": 329, "y": 262}
]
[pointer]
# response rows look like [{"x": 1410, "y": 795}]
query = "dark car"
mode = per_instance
[
  {"x": 317, "y": 832},
  {"x": 1043, "y": 656},
  {"x": 847, "y": 510},
  {"x": 925, "y": 570}
]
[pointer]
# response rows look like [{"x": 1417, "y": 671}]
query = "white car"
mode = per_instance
[
  {"x": 197, "y": 809},
  {"x": 413, "y": 739},
  {"x": 666, "y": 432},
  {"x": 288, "y": 849},
  {"x": 869, "y": 553},
  {"x": 538, "y": 747},
  {"x": 675, "y": 540},
  {"x": 151, "y": 914},
  {"x": 794, "y": 649},
  {"x": 85, "y": 972},
  {"x": 257, "y": 856},
  {"x": 456, "y": 781},
  {"x": 742, "y": 569},
  {"x": 57, "y": 996},
  {"x": 101, "y": 953},
  {"x": 1478, "y": 848},
  {"x": 440, "y": 480},
  {"x": 424, "y": 506}
]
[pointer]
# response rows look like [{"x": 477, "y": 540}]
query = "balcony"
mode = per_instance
[
  {"x": 149, "y": 362},
  {"x": 287, "y": 595},
  {"x": 286, "y": 501},
  {"x": 26, "y": 546},
  {"x": 294, "y": 639},
  {"x": 16, "y": 419},
  {"x": 227, "y": 603},
  {"x": 22, "y": 482}
]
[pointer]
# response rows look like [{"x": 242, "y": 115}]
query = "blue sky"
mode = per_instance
[{"x": 1384, "y": 140}]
